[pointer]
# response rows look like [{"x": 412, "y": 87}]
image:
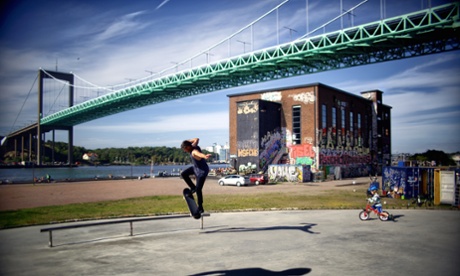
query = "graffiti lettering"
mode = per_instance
[
  {"x": 304, "y": 150},
  {"x": 247, "y": 144},
  {"x": 248, "y": 107},
  {"x": 306, "y": 97},
  {"x": 342, "y": 157},
  {"x": 289, "y": 173},
  {"x": 304, "y": 161},
  {"x": 247, "y": 152},
  {"x": 271, "y": 96},
  {"x": 271, "y": 149}
]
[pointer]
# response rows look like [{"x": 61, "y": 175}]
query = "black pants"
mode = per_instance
[{"x": 199, "y": 183}]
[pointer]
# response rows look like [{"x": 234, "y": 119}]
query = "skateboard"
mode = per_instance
[{"x": 188, "y": 196}]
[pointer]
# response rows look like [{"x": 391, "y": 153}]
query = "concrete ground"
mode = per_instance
[{"x": 313, "y": 242}]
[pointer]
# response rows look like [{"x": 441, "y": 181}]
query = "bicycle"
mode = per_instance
[
  {"x": 365, "y": 213},
  {"x": 426, "y": 200}
]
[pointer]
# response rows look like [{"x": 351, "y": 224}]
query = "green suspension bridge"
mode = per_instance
[{"x": 425, "y": 32}]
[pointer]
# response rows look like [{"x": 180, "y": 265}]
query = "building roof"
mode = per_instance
[{"x": 305, "y": 85}]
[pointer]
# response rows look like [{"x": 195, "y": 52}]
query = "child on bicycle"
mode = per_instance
[{"x": 375, "y": 199}]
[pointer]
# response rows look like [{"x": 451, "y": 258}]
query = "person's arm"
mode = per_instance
[
  {"x": 199, "y": 155},
  {"x": 194, "y": 141},
  {"x": 371, "y": 199}
]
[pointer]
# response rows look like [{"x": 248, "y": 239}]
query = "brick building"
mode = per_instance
[{"x": 331, "y": 130}]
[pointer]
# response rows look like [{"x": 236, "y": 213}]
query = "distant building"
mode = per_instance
[
  {"x": 223, "y": 155},
  {"x": 324, "y": 127},
  {"x": 90, "y": 157}
]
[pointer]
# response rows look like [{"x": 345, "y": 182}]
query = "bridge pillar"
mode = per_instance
[
  {"x": 42, "y": 129},
  {"x": 22, "y": 147},
  {"x": 30, "y": 146},
  {"x": 70, "y": 146},
  {"x": 15, "y": 148},
  {"x": 40, "y": 114}
]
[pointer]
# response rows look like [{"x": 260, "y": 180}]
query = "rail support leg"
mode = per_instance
[
  {"x": 50, "y": 243},
  {"x": 131, "y": 228}
]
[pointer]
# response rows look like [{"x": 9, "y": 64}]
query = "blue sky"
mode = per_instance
[{"x": 110, "y": 42}]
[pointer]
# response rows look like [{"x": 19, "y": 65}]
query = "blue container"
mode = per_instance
[{"x": 404, "y": 181}]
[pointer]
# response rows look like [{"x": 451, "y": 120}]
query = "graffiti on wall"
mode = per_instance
[
  {"x": 303, "y": 154},
  {"x": 289, "y": 173},
  {"x": 247, "y": 148},
  {"x": 342, "y": 157},
  {"x": 248, "y": 152},
  {"x": 303, "y": 150},
  {"x": 271, "y": 148},
  {"x": 247, "y": 107},
  {"x": 343, "y": 150},
  {"x": 402, "y": 180},
  {"x": 272, "y": 96},
  {"x": 306, "y": 97},
  {"x": 247, "y": 168},
  {"x": 394, "y": 179}
]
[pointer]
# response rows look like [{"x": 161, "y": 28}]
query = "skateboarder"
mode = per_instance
[{"x": 200, "y": 169}]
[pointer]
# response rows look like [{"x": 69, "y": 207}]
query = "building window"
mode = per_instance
[
  {"x": 334, "y": 117},
  {"x": 324, "y": 116},
  {"x": 351, "y": 122},
  {"x": 296, "y": 123},
  {"x": 359, "y": 121},
  {"x": 343, "y": 118}
]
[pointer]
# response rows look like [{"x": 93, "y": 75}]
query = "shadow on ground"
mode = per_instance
[
  {"x": 305, "y": 227},
  {"x": 255, "y": 271}
]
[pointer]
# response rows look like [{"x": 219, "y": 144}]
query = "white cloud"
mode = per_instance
[
  {"x": 124, "y": 25},
  {"x": 167, "y": 124},
  {"x": 162, "y": 4}
]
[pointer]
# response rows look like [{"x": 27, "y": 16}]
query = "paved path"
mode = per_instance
[
  {"x": 20, "y": 196},
  {"x": 314, "y": 242}
]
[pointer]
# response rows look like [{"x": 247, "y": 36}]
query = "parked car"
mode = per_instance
[
  {"x": 258, "y": 179},
  {"x": 234, "y": 179}
]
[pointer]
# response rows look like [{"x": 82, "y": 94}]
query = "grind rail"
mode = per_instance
[{"x": 130, "y": 221}]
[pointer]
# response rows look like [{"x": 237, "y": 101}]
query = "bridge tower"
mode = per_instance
[{"x": 42, "y": 129}]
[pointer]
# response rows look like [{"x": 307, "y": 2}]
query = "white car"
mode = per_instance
[{"x": 234, "y": 179}]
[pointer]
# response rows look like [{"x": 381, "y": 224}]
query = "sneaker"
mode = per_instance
[
  {"x": 192, "y": 191},
  {"x": 200, "y": 209}
]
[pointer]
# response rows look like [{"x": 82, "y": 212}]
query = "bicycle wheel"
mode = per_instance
[
  {"x": 428, "y": 204},
  {"x": 384, "y": 215},
  {"x": 363, "y": 215}
]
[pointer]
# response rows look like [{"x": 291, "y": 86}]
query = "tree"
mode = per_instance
[{"x": 440, "y": 157}]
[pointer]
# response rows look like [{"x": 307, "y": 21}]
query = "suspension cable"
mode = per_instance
[
  {"x": 19, "y": 113},
  {"x": 55, "y": 99},
  {"x": 90, "y": 83},
  {"x": 73, "y": 85}
]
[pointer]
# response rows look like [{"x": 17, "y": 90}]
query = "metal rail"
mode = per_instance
[{"x": 130, "y": 221}]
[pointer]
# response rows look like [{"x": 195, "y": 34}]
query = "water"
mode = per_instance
[{"x": 26, "y": 175}]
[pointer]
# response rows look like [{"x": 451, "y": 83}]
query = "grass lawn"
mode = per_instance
[{"x": 162, "y": 205}]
